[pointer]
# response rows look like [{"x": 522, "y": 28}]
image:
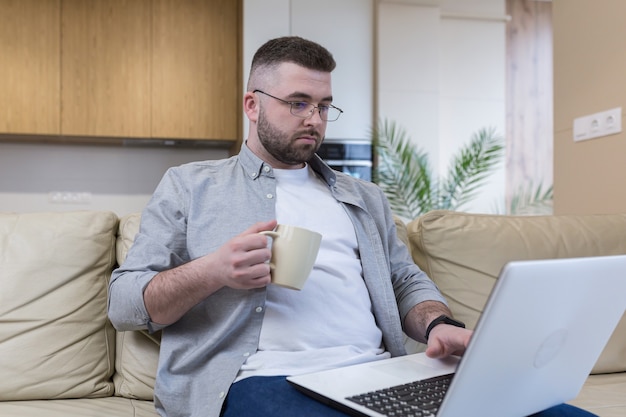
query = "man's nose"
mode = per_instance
[{"x": 315, "y": 118}]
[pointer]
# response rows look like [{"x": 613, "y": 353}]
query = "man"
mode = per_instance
[{"x": 199, "y": 269}]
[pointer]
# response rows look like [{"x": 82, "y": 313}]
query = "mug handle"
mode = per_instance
[
  {"x": 273, "y": 234},
  {"x": 270, "y": 233}
]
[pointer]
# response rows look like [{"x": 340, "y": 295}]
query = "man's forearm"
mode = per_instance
[
  {"x": 420, "y": 316},
  {"x": 172, "y": 293}
]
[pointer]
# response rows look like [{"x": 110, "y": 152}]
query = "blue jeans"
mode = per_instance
[{"x": 274, "y": 397}]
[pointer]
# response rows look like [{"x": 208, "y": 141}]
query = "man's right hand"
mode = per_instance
[{"x": 240, "y": 263}]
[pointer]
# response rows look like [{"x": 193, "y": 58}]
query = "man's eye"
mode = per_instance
[
  {"x": 323, "y": 109},
  {"x": 299, "y": 105}
]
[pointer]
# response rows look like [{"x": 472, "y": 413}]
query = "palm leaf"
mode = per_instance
[
  {"x": 403, "y": 171},
  {"x": 530, "y": 200},
  {"x": 470, "y": 168}
]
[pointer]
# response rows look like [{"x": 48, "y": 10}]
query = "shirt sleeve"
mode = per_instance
[
  {"x": 160, "y": 245},
  {"x": 411, "y": 285}
]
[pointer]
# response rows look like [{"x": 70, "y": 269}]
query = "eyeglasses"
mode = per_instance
[{"x": 304, "y": 110}]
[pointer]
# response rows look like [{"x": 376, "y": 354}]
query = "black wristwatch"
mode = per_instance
[{"x": 443, "y": 319}]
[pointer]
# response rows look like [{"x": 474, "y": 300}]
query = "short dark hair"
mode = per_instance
[{"x": 294, "y": 49}]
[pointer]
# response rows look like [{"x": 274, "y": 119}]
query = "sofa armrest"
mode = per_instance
[{"x": 55, "y": 339}]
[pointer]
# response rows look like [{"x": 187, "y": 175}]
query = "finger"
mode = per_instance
[
  {"x": 255, "y": 276},
  {"x": 251, "y": 239},
  {"x": 264, "y": 278},
  {"x": 434, "y": 349},
  {"x": 245, "y": 252},
  {"x": 260, "y": 227}
]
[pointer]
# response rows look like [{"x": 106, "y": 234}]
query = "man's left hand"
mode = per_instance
[{"x": 445, "y": 340}]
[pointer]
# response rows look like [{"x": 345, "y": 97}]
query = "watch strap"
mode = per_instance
[{"x": 443, "y": 319}]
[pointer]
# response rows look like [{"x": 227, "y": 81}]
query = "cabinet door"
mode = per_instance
[
  {"x": 30, "y": 66},
  {"x": 354, "y": 52},
  {"x": 106, "y": 68},
  {"x": 195, "y": 69}
]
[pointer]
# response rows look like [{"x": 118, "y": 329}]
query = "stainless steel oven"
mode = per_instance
[{"x": 352, "y": 156}]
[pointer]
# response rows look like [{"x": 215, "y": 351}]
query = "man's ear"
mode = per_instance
[{"x": 251, "y": 106}]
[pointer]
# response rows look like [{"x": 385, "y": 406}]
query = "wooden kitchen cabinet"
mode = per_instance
[
  {"x": 195, "y": 69},
  {"x": 29, "y": 67},
  {"x": 105, "y": 69},
  {"x": 116, "y": 70}
]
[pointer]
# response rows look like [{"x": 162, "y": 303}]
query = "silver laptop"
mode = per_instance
[{"x": 545, "y": 324}]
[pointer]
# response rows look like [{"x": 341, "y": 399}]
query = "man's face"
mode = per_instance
[
  {"x": 287, "y": 141},
  {"x": 287, "y": 146}
]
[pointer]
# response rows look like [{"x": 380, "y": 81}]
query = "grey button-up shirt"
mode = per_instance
[{"x": 195, "y": 209}]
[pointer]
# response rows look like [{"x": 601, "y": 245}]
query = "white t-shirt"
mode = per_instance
[{"x": 329, "y": 323}]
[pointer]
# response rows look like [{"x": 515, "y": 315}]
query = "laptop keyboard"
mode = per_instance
[{"x": 415, "y": 399}]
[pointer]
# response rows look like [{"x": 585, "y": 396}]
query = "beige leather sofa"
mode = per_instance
[{"x": 59, "y": 356}]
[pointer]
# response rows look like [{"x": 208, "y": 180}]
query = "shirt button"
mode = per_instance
[
  {"x": 222, "y": 394},
  {"x": 246, "y": 354},
  {"x": 269, "y": 195},
  {"x": 266, "y": 168},
  {"x": 253, "y": 175},
  {"x": 259, "y": 309}
]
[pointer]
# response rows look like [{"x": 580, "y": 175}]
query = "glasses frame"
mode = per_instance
[{"x": 310, "y": 114}]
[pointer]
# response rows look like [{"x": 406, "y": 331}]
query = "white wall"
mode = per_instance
[
  {"x": 120, "y": 179},
  {"x": 442, "y": 77},
  {"x": 345, "y": 28}
]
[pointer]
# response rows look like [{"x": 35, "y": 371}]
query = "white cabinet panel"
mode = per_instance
[{"x": 345, "y": 28}]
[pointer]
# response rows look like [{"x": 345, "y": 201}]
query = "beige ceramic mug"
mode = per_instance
[{"x": 294, "y": 250}]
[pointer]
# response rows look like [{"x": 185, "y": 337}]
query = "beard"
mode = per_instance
[{"x": 282, "y": 146}]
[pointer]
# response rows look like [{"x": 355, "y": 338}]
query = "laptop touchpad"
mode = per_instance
[{"x": 419, "y": 366}]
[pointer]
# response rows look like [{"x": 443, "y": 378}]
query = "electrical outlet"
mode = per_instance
[
  {"x": 596, "y": 125},
  {"x": 69, "y": 197}
]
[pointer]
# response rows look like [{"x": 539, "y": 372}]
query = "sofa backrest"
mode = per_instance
[
  {"x": 464, "y": 253},
  {"x": 55, "y": 339},
  {"x": 137, "y": 351}
]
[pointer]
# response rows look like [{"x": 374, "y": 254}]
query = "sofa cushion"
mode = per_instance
[
  {"x": 128, "y": 228},
  {"x": 136, "y": 364},
  {"x": 55, "y": 339},
  {"x": 401, "y": 230},
  {"x": 464, "y": 253},
  {"x": 137, "y": 351}
]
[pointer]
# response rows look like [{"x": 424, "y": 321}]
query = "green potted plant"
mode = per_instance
[{"x": 404, "y": 173}]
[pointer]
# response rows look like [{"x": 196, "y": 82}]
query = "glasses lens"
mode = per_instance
[
  {"x": 305, "y": 110},
  {"x": 301, "y": 109},
  {"x": 330, "y": 114}
]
